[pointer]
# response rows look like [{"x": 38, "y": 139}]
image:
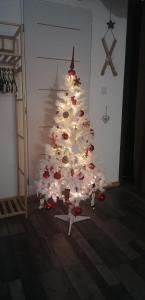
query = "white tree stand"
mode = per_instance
[
  {"x": 71, "y": 218},
  {"x": 93, "y": 199}
]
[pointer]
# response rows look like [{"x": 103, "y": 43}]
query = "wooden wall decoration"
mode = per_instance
[{"x": 108, "y": 60}]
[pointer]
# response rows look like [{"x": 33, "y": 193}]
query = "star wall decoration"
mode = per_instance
[{"x": 110, "y": 24}]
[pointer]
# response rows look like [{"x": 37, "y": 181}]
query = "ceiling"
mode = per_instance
[{"x": 118, "y": 7}]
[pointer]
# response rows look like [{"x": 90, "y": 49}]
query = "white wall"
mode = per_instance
[
  {"x": 9, "y": 12},
  {"x": 54, "y": 41},
  {"x": 107, "y": 137}
]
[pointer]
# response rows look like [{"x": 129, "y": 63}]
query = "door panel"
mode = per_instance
[{"x": 51, "y": 31}]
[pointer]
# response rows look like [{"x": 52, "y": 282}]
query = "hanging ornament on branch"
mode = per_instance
[
  {"x": 53, "y": 139},
  {"x": 65, "y": 114},
  {"x": 91, "y": 148},
  {"x": 57, "y": 175},
  {"x": 73, "y": 100},
  {"x": 81, "y": 113},
  {"x": 48, "y": 205},
  {"x": 105, "y": 117},
  {"x": 46, "y": 174},
  {"x": 65, "y": 136},
  {"x": 65, "y": 159}
]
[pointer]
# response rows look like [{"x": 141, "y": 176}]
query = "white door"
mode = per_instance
[{"x": 51, "y": 31}]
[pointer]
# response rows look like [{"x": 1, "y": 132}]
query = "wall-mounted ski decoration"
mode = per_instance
[{"x": 108, "y": 60}]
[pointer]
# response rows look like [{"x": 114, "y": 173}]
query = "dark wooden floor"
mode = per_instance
[{"x": 103, "y": 259}]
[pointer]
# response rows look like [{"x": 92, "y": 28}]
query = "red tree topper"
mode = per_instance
[{"x": 71, "y": 71}]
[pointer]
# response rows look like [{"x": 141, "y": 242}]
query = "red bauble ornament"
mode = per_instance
[
  {"x": 57, "y": 175},
  {"x": 48, "y": 205},
  {"x": 73, "y": 100},
  {"x": 91, "y": 148},
  {"x": 65, "y": 136},
  {"x": 81, "y": 113},
  {"x": 46, "y": 174},
  {"x": 100, "y": 196},
  {"x": 91, "y": 166},
  {"x": 76, "y": 210},
  {"x": 71, "y": 72}
]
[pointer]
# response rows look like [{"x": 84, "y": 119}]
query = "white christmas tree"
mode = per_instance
[{"x": 68, "y": 171}]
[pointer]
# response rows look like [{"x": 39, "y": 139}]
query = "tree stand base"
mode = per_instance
[{"x": 71, "y": 219}]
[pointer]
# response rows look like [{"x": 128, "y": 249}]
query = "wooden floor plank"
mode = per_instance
[
  {"x": 94, "y": 258},
  {"x": 76, "y": 272},
  {"x": 57, "y": 286},
  {"x": 104, "y": 258},
  {"x": 3, "y": 229},
  {"x": 123, "y": 246},
  {"x": 15, "y": 225},
  {"x": 4, "y": 291},
  {"x": 132, "y": 281},
  {"x": 16, "y": 290}
]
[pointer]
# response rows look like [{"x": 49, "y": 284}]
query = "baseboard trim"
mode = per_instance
[{"x": 113, "y": 184}]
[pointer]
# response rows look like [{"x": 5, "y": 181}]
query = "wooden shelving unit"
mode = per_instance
[{"x": 12, "y": 55}]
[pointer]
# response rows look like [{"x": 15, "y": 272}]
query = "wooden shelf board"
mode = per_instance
[
  {"x": 11, "y": 207},
  {"x": 7, "y": 58}
]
